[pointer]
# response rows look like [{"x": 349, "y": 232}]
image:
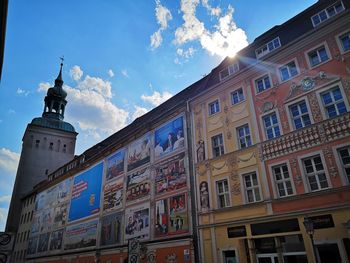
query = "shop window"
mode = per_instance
[
  {"x": 333, "y": 102},
  {"x": 317, "y": 56},
  {"x": 262, "y": 83},
  {"x": 243, "y": 136},
  {"x": 237, "y": 96},
  {"x": 282, "y": 180},
  {"x": 344, "y": 154},
  {"x": 315, "y": 173},
  {"x": 252, "y": 189},
  {"x": 300, "y": 115},
  {"x": 214, "y": 107},
  {"x": 288, "y": 71},
  {"x": 271, "y": 126},
  {"x": 217, "y": 145},
  {"x": 223, "y": 193}
]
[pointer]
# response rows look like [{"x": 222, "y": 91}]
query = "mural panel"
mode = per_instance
[
  {"x": 115, "y": 165},
  {"x": 111, "y": 229},
  {"x": 56, "y": 240},
  {"x": 162, "y": 217},
  {"x": 178, "y": 222},
  {"x": 137, "y": 220},
  {"x": 32, "y": 245},
  {"x": 43, "y": 242},
  {"x": 81, "y": 235},
  {"x": 113, "y": 195},
  {"x": 138, "y": 184},
  {"x": 139, "y": 152}
]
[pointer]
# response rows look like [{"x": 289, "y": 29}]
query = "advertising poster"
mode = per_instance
[
  {"x": 81, "y": 235},
  {"x": 115, "y": 165},
  {"x": 40, "y": 201},
  {"x": 56, "y": 240},
  {"x": 139, "y": 152},
  {"x": 60, "y": 215},
  {"x": 86, "y": 192},
  {"x": 46, "y": 220},
  {"x": 43, "y": 242},
  {"x": 169, "y": 138},
  {"x": 137, "y": 220},
  {"x": 170, "y": 175},
  {"x": 36, "y": 223},
  {"x": 32, "y": 245},
  {"x": 113, "y": 195},
  {"x": 178, "y": 222},
  {"x": 161, "y": 227},
  {"x": 111, "y": 229},
  {"x": 138, "y": 184}
]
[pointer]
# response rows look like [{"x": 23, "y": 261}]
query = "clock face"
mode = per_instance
[{"x": 307, "y": 83}]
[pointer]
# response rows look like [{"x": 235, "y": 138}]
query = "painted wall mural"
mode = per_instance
[
  {"x": 161, "y": 218},
  {"x": 139, "y": 152},
  {"x": 86, "y": 193},
  {"x": 178, "y": 222},
  {"x": 138, "y": 184},
  {"x": 169, "y": 138},
  {"x": 137, "y": 222},
  {"x": 56, "y": 240},
  {"x": 81, "y": 235},
  {"x": 115, "y": 165},
  {"x": 113, "y": 194},
  {"x": 111, "y": 229}
]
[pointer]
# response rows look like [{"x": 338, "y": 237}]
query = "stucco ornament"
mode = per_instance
[
  {"x": 307, "y": 83},
  {"x": 204, "y": 195}
]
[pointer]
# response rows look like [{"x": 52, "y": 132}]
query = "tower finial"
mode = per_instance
[{"x": 59, "y": 77}]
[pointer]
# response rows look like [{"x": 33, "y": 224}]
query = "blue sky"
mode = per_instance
[{"x": 122, "y": 58}]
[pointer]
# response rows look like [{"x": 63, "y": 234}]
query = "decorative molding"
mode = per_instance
[
  {"x": 267, "y": 106},
  {"x": 315, "y": 109},
  {"x": 271, "y": 93}
]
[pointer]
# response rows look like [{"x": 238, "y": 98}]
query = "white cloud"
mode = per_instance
[
  {"x": 163, "y": 16},
  {"x": 156, "y": 98},
  {"x": 8, "y": 160},
  {"x": 3, "y": 218},
  {"x": 5, "y": 199},
  {"x": 110, "y": 73},
  {"x": 22, "y": 92},
  {"x": 124, "y": 72},
  {"x": 139, "y": 111},
  {"x": 214, "y": 11},
  {"x": 43, "y": 86},
  {"x": 76, "y": 73},
  {"x": 186, "y": 53}
]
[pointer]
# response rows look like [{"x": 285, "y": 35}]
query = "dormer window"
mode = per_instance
[
  {"x": 232, "y": 69},
  {"x": 268, "y": 47},
  {"x": 327, "y": 13}
]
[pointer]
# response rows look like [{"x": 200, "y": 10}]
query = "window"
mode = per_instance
[
  {"x": 345, "y": 41},
  {"x": 288, "y": 71},
  {"x": 318, "y": 56},
  {"x": 237, "y": 96},
  {"x": 262, "y": 83},
  {"x": 218, "y": 145},
  {"x": 268, "y": 47},
  {"x": 223, "y": 193},
  {"x": 214, "y": 107},
  {"x": 344, "y": 154},
  {"x": 315, "y": 173},
  {"x": 232, "y": 69},
  {"x": 333, "y": 102},
  {"x": 37, "y": 143},
  {"x": 327, "y": 13},
  {"x": 282, "y": 180},
  {"x": 251, "y": 187},
  {"x": 300, "y": 115},
  {"x": 243, "y": 134},
  {"x": 271, "y": 126}
]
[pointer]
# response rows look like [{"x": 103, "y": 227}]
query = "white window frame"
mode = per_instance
[
  {"x": 236, "y": 91},
  {"x": 262, "y": 122},
  {"x": 231, "y": 69},
  {"x": 326, "y": 12},
  {"x": 261, "y": 77},
  {"x": 244, "y": 137},
  {"x": 323, "y": 106},
  {"x": 226, "y": 194},
  {"x": 211, "y": 103},
  {"x": 275, "y": 187},
  {"x": 286, "y": 65},
  {"x": 223, "y": 145},
  {"x": 251, "y": 188},
  {"x": 290, "y": 115},
  {"x": 316, "y": 48},
  {"x": 342, "y": 166},
  {"x": 340, "y": 43},
  {"x": 265, "y": 48}
]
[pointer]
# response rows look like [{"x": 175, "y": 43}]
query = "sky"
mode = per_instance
[{"x": 121, "y": 59}]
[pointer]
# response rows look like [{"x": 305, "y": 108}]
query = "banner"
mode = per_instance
[
  {"x": 115, "y": 165},
  {"x": 32, "y": 245},
  {"x": 43, "y": 242},
  {"x": 170, "y": 175},
  {"x": 161, "y": 216},
  {"x": 111, "y": 228},
  {"x": 137, "y": 222},
  {"x": 86, "y": 193},
  {"x": 113, "y": 195},
  {"x": 139, "y": 152},
  {"x": 169, "y": 138},
  {"x": 138, "y": 184},
  {"x": 56, "y": 240},
  {"x": 81, "y": 235},
  {"x": 178, "y": 222}
]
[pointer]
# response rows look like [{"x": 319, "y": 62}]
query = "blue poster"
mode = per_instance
[{"x": 86, "y": 193}]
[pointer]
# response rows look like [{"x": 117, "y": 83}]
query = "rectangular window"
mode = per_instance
[
  {"x": 268, "y": 47},
  {"x": 237, "y": 96},
  {"x": 317, "y": 56},
  {"x": 344, "y": 154},
  {"x": 345, "y": 41},
  {"x": 288, "y": 71},
  {"x": 251, "y": 186},
  {"x": 223, "y": 193},
  {"x": 262, "y": 83},
  {"x": 271, "y": 126},
  {"x": 315, "y": 173},
  {"x": 282, "y": 180},
  {"x": 327, "y": 13},
  {"x": 333, "y": 102},
  {"x": 214, "y": 107},
  {"x": 218, "y": 145},
  {"x": 300, "y": 115},
  {"x": 243, "y": 134},
  {"x": 231, "y": 69}
]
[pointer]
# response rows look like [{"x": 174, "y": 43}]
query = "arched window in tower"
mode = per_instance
[
  {"x": 37, "y": 142},
  {"x": 51, "y": 146},
  {"x": 64, "y": 148}
]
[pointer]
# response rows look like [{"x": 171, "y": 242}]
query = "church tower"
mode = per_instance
[{"x": 47, "y": 144}]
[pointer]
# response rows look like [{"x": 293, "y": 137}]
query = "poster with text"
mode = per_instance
[
  {"x": 32, "y": 245},
  {"x": 169, "y": 138},
  {"x": 86, "y": 191},
  {"x": 111, "y": 228},
  {"x": 161, "y": 216},
  {"x": 138, "y": 184},
  {"x": 178, "y": 222},
  {"x": 115, "y": 165},
  {"x": 81, "y": 235},
  {"x": 139, "y": 152},
  {"x": 137, "y": 222},
  {"x": 43, "y": 242},
  {"x": 170, "y": 175},
  {"x": 113, "y": 195},
  {"x": 56, "y": 240}
]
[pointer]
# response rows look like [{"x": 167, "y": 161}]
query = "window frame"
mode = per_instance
[
  {"x": 266, "y": 45},
  {"x": 251, "y": 188},
  {"x": 226, "y": 194},
  {"x": 231, "y": 70},
  {"x": 291, "y": 118},
  {"x": 316, "y": 48},
  {"x": 235, "y": 91},
  {"x": 339, "y": 42},
  {"x": 291, "y": 179},
  {"x": 211, "y": 103},
  {"x": 260, "y": 78},
  {"x": 290, "y": 76},
  {"x": 340, "y": 163},
  {"x": 323, "y": 106},
  {"x": 221, "y": 149},
  {"x": 245, "y": 136},
  {"x": 262, "y": 122},
  {"x": 325, "y": 10}
]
